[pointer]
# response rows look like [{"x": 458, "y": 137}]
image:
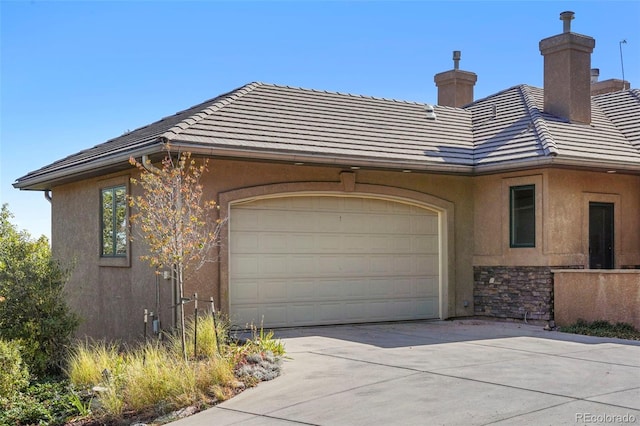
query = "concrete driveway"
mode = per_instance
[{"x": 463, "y": 372}]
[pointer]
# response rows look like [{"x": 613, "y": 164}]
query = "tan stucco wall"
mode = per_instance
[
  {"x": 109, "y": 294},
  {"x": 597, "y": 295},
  {"x": 562, "y": 203},
  {"x": 111, "y": 297}
]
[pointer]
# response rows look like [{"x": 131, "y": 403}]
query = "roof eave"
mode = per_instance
[
  {"x": 73, "y": 173},
  {"x": 323, "y": 159},
  {"x": 558, "y": 161}
]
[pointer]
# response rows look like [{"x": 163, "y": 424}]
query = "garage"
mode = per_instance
[{"x": 312, "y": 260}]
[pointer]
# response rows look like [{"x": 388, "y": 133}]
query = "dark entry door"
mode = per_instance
[{"x": 601, "y": 236}]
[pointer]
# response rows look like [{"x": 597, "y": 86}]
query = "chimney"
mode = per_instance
[
  {"x": 567, "y": 73},
  {"x": 608, "y": 86},
  {"x": 455, "y": 87}
]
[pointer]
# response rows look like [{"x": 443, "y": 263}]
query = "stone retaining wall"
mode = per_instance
[{"x": 514, "y": 291}]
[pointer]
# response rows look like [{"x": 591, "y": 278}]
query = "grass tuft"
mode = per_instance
[{"x": 90, "y": 361}]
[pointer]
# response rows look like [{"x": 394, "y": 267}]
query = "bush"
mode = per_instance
[
  {"x": 46, "y": 403},
  {"x": 603, "y": 328},
  {"x": 32, "y": 303},
  {"x": 14, "y": 376}
]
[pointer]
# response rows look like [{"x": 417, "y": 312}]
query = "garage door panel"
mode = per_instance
[
  {"x": 426, "y": 244},
  {"x": 426, "y": 286},
  {"x": 247, "y": 242},
  {"x": 328, "y": 260},
  {"x": 351, "y": 222},
  {"x": 425, "y": 226},
  {"x": 276, "y": 313},
  {"x": 299, "y": 314},
  {"x": 245, "y": 315},
  {"x": 273, "y": 291},
  {"x": 426, "y": 264},
  {"x": 274, "y": 243},
  {"x": 246, "y": 292},
  {"x": 302, "y": 290},
  {"x": 245, "y": 265},
  {"x": 331, "y": 289}
]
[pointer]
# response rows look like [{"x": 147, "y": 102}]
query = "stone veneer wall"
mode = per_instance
[{"x": 514, "y": 291}]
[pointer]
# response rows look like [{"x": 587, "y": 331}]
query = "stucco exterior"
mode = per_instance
[
  {"x": 517, "y": 282},
  {"x": 113, "y": 300},
  {"x": 612, "y": 296},
  {"x": 562, "y": 202}
]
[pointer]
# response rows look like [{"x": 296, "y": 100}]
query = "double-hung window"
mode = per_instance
[
  {"x": 522, "y": 216},
  {"x": 113, "y": 220}
]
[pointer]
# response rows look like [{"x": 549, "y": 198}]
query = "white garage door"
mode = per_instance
[{"x": 330, "y": 260}]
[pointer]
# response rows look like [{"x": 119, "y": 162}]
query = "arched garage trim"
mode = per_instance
[{"x": 443, "y": 208}]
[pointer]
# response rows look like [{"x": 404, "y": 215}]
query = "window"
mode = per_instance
[
  {"x": 522, "y": 216},
  {"x": 113, "y": 203}
]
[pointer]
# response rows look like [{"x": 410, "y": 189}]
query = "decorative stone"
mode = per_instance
[{"x": 514, "y": 291}]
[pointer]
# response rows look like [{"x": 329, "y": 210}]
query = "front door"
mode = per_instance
[{"x": 601, "y": 236}]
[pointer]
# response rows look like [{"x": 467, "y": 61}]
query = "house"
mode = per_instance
[{"x": 346, "y": 209}]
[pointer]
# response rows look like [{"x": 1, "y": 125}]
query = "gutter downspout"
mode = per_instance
[
  {"x": 47, "y": 195},
  {"x": 146, "y": 163}
]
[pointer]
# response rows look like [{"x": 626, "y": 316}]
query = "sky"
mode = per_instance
[{"x": 75, "y": 74}]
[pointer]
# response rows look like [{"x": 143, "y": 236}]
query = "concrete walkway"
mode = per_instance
[{"x": 463, "y": 372}]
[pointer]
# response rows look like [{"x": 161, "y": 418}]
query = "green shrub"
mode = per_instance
[
  {"x": 32, "y": 302},
  {"x": 264, "y": 342},
  {"x": 603, "y": 328},
  {"x": 14, "y": 376},
  {"x": 46, "y": 403}
]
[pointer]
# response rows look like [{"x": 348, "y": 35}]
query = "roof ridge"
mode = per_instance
[
  {"x": 220, "y": 102},
  {"x": 493, "y": 95},
  {"x": 353, "y": 95},
  {"x": 544, "y": 135}
]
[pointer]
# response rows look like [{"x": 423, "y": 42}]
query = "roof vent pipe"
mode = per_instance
[
  {"x": 595, "y": 73},
  {"x": 566, "y": 18},
  {"x": 456, "y": 59}
]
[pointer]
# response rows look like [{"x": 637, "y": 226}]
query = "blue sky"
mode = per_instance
[{"x": 74, "y": 74}]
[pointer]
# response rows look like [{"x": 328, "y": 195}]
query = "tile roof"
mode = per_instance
[
  {"x": 280, "y": 122},
  {"x": 511, "y": 126},
  {"x": 622, "y": 109}
]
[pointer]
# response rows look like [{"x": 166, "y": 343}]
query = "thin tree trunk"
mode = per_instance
[{"x": 182, "y": 325}]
